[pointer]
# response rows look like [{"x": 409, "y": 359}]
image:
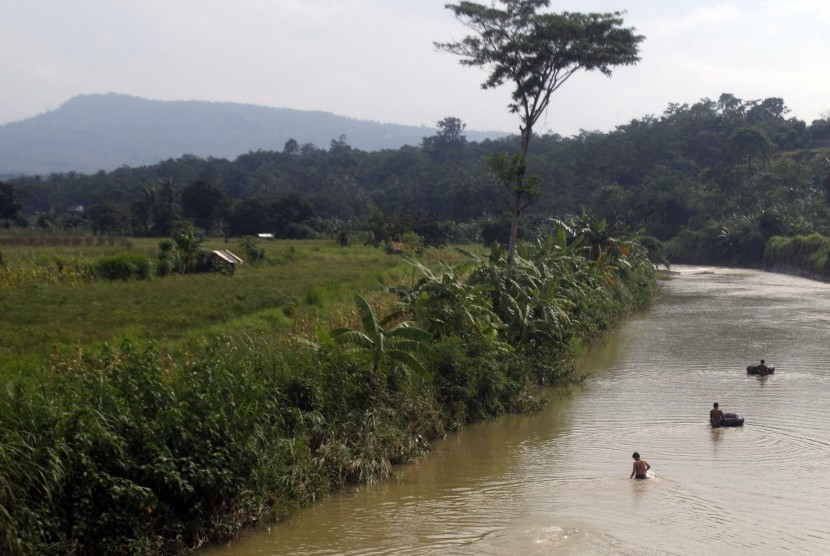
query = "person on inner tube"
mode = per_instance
[
  {"x": 716, "y": 416},
  {"x": 762, "y": 368}
]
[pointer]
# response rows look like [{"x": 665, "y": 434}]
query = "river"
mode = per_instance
[{"x": 557, "y": 482}]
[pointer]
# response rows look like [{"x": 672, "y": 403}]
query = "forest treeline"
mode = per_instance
[{"x": 715, "y": 180}]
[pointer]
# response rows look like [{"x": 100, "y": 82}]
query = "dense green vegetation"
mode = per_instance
[
  {"x": 800, "y": 254},
  {"x": 714, "y": 180},
  {"x": 152, "y": 447}
]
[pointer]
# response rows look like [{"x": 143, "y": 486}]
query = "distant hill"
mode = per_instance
[{"x": 106, "y": 131}]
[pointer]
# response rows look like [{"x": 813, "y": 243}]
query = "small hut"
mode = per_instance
[{"x": 224, "y": 260}]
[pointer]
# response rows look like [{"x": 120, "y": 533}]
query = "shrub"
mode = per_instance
[
  {"x": 124, "y": 267},
  {"x": 810, "y": 253},
  {"x": 253, "y": 251},
  {"x": 145, "y": 269},
  {"x": 164, "y": 267},
  {"x": 342, "y": 238},
  {"x": 413, "y": 243},
  {"x": 314, "y": 296},
  {"x": 168, "y": 262}
]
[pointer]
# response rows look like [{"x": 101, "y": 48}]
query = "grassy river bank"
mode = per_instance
[{"x": 212, "y": 409}]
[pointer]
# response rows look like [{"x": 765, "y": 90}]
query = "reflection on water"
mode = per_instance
[{"x": 557, "y": 482}]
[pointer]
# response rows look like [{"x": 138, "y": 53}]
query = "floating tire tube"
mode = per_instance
[
  {"x": 753, "y": 369},
  {"x": 736, "y": 421},
  {"x": 730, "y": 421}
]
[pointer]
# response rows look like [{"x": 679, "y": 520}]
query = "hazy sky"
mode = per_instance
[{"x": 375, "y": 60}]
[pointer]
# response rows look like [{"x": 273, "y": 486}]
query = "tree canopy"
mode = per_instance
[
  {"x": 682, "y": 176},
  {"x": 9, "y": 201}
]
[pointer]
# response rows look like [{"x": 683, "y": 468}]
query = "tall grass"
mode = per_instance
[{"x": 808, "y": 254}]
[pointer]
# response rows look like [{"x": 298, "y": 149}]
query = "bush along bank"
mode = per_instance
[
  {"x": 801, "y": 255},
  {"x": 130, "y": 450}
]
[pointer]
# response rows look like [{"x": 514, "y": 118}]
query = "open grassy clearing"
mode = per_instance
[{"x": 36, "y": 320}]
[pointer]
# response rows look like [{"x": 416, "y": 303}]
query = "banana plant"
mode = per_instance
[
  {"x": 594, "y": 239},
  {"x": 447, "y": 304},
  {"x": 398, "y": 344}
]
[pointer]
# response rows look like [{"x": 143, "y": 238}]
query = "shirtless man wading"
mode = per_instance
[{"x": 640, "y": 467}]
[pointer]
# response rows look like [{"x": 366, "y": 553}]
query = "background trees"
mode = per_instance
[
  {"x": 9, "y": 201},
  {"x": 286, "y": 217},
  {"x": 681, "y": 177},
  {"x": 449, "y": 142},
  {"x": 748, "y": 144},
  {"x": 109, "y": 217},
  {"x": 203, "y": 202}
]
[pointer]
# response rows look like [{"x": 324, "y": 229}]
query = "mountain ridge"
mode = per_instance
[{"x": 87, "y": 134}]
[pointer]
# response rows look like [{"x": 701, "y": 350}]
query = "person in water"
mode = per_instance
[
  {"x": 640, "y": 467},
  {"x": 716, "y": 416},
  {"x": 762, "y": 368}
]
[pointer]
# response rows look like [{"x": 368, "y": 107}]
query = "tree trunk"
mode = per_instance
[{"x": 518, "y": 192}]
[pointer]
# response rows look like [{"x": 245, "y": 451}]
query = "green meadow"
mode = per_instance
[{"x": 44, "y": 308}]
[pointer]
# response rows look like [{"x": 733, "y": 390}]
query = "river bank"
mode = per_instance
[
  {"x": 139, "y": 449},
  {"x": 556, "y": 481}
]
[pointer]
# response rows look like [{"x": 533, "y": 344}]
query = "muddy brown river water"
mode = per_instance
[{"x": 557, "y": 482}]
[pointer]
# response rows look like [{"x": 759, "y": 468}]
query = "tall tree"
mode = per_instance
[
  {"x": 168, "y": 211},
  {"x": 109, "y": 217},
  {"x": 536, "y": 53},
  {"x": 449, "y": 142},
  {"x": 202, "y": 200},
  {"x": 9, "y": 201},
  {"x": 747, "y": 143}
]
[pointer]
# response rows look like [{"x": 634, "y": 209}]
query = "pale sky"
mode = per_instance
[{"x": 375, "y": 59}]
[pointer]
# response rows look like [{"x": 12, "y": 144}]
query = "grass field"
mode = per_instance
[{"x": 43, "y": 317}]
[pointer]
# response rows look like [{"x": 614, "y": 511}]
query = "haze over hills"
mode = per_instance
[{"x": 96, "y": 132}]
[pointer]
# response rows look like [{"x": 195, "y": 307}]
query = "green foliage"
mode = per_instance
[
  {"x": 109, "y": 217},
  {"x": 126, "y": 266},
  {"x": 748, "y": 143},
  {"x": 735, "y": 241},
  {"x": 694, "y": 167},
  {"x": 202, "y": 201},
  {"x": 166, "y": 264},
  {"x": 192, "y": 258},
  {"x": 810, "y": 254},
  {"x": 9, "y": 201},
  {"x": 385, "y": 346},
  {"x": 148, "y": 449},
  {"x": 284, "y": 217},
  {"x": 315, "y": 296},
  {"x": 472, "y": 381},
  {"x": 447, "y": 304},
  {"x": 254, "y": 253},
  {"x": 413, "y": 243},
  {"x": 449, "y": 143}
]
